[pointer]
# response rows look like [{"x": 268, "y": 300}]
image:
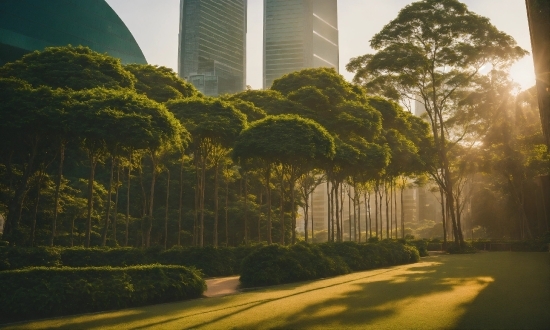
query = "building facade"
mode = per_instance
[
  {"x": 212, "y": 45},
  {"x": 299, "y": 34},
  {"x": 29, "y": 25}
]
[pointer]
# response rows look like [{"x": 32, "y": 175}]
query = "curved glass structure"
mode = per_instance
[{"x": 29, "y": 25}]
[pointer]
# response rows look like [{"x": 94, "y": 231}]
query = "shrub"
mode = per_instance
[
  {"x": 421, "y": 245},
  {"x": 453, "y": 248},
  {"x": 21, "y": 257},
  {"x": 48, "y": 292},
  {"x": 276, "y": 264}
]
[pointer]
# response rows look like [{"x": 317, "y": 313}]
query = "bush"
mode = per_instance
[
  {"x": 276, "y": 264},
  {"x": 453, "y": 248},
  {"x": 421, "y": 245},
  {"x": 222, "y": 261},
  {"x": 47, "y": 292}
]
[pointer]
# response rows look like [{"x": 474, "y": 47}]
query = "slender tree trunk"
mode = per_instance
[
  {"x": 57, "y": 189},
  {"x": 260, "y": 217},
  {"x": 128, "y": 200},
  {"x": 180, "y": 202},
  {"x": 388, "y": 228},
  {"x": 402, "y": 213},
  {"x": 38, "y": 190},
  {"x": 443, "y": 217},
  {"x": 394, "y": 188},
  {"x": 151, "y": 199},
  {"x": 312, "y": 233},
  {"x": 108, "y": 207},
  {"x": 268, "y": 191},
  {"x": 282, "y": 207},
  {"x": 376, "y": 188},
  {"x": 306, "y": 217},
  {"x": 166, "y": 209},
  {"x": 197, "y": 195},
  {"x": 116, "y": 204},
  {"x": 72, "y": 231},
  {"x": 337, "y": 211},
  {"x": 381, "y": 218},
  {"x": 216, "y": 210},
  {"x": 201, "y": 201},
  {"x": 93, "y": 161},
  {"x": 349, "y": 213},
  {"x": 226, "y": 212},
  {"x": 329, "y": 208},
  {"x": 342, "y": 212},
  {"x": 358, "y": 198},
  {"x": 291, "y": 186},
  {"x": 245, "y": 209}
]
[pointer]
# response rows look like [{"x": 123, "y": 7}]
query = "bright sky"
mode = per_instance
[{"x": 155, "y": 24}]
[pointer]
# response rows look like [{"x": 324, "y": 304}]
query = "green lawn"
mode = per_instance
[{"x": 496, "y": 290}]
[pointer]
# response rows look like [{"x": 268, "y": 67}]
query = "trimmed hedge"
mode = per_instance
[
  {"x": 47, "y": 292},
  {"x": 222, "y": 261},
  {"x": 421, "y": 245},
  {"x": 274, "y": 264}
]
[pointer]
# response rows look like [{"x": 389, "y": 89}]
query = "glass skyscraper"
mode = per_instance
[
  {"x": 29, "y": 25},
  {"x": 212, "y": 45},
  {"x": 299, "y": 34}
]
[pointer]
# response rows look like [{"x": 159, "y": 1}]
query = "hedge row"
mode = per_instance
[
  {"x": 274, "y": 264},
  {"x": 47, "y": 292},
  {"x": 223, "y": 261}
]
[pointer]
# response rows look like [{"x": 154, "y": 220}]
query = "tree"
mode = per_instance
[
  {"x": 68, "y": 67},
  {"x": 110, "y": 117},
  {"x": 160, "y": 84},
  {"x": 296, "y": 144},
  {"x": 213, "y": 125},
  {"x": 433, "y": 50},
  {"x": 29, "y": 118}
]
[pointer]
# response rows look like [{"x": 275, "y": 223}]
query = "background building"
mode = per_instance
[
  {"x": 29, "y": 25},
  {"x": 299, "y": 34},
  {"x": 212, "y": 45}
]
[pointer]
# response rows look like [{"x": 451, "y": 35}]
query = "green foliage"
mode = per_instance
[
  {"x": 75, "y": 68},
  {"x": 276, "y": 264},
  {"x": 285, "y": 139},
  {"x": 465, "y": 247},
  {"x": 420, "y": 245},
  {"x": 48, "y": 292},
  {"x": 160, "y": 84},
  {"x": 221, "y": 261}
]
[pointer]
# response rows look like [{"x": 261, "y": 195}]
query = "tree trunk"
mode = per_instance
[
  {"x": 128, "y": 200},
  {"x": 108, "y": 208},
  {"x": 387, "y": 210},
  {"x": 402, "y": 213},
  {"x": 151, "y": 200},
  {"x": 268, "y": 187},
  {"x": 201, "y": 201},
  {"x": 245, "y": 209},
  {"x": 226, "y": 212},
  {"x": 282, "y": 213},
  {"x": 180, "y": 206},
  {"x": 349, "y": 213},
  {"x": 93, "y": 161},
  {"x": 216, "y": 170},
  {"x": 376, "y": 207},
  {"x": 72, "y": 231},
  {"x": 38, "y": 190},
  {"x": 166, "y": 209},
  {"x": 337, "y": 211},
  {"x": 329, "y": 208},
  {"x": 260, "y": 217},
  {"x": 358, "y": 199},
  {"x": 291, "y": 186},
  {"x": 116, "y": 203},
  {"x": 57, "y": 189}
]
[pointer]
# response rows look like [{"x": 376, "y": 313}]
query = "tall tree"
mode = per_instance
[
  {"x": 214, "y": 125},
  {"x": 430, "y": 52},
  {"x": 297, "y": 144}
]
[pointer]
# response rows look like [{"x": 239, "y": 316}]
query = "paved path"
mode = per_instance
[
  {"x": 222, "y": 286},
  {"x": 496, "y": 290}
]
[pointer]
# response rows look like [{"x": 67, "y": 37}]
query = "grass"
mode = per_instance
[{"x": 499, "y": 290}]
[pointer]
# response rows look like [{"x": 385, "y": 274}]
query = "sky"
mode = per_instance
[{"x": 155, "y": 26}]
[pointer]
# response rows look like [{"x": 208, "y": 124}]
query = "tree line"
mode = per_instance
[{"x": 99, "y": 153}]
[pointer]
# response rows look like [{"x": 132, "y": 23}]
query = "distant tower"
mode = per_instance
[
  {"x": 299, "y": 34},
  {"x": 212, "y": 45}
]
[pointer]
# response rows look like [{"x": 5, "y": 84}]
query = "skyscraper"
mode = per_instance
[
  {"x": 299, "y": 34},
  {"x": 212, "y": 45}
]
